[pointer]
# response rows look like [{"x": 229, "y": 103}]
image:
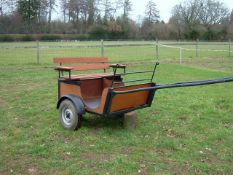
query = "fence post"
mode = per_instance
[
  {"x": 37, "y": 52},
  {"x": 157, "y": 49},
  {"x": 180, "y": 55},
  {"x": 197, "y": 49},
  {"x": 229, "y": 47},
  {"x": 102, "y": 48}
]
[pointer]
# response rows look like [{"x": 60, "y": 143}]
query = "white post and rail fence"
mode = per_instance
[
  {"x": 181, "y": 47},
  {"x": 158, "y": 44}
]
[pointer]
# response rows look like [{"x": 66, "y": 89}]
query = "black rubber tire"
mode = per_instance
[{"x": 68, "y": 115}]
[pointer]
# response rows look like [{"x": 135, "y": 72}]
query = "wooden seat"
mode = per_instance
[
  {"x": 68, "y": 64},
  {"x": 88, "y": 76}
]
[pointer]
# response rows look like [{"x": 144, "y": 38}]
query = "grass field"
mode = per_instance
[{"x": 186, "y": 131}]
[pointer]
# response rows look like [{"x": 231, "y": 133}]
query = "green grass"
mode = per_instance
[{"x": 186, "y": 131}]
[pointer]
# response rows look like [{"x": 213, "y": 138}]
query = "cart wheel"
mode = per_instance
[{"x": 68, "y": 115}]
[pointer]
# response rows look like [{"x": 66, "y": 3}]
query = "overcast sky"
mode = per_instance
[{"x": 164, "y": 7}]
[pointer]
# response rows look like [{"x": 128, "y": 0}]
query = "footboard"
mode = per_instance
[{"x": 125, "y": 99}]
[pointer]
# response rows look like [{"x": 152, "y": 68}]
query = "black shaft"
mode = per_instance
[
  {"x": 181, "y": 84},
  {"x": 195, "y": 83}
]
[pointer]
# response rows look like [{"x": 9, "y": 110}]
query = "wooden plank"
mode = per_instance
[
  {"x": 82, "y": 67},
  {"x": 91, "y": 88},
  {"x": 70, "y": 89},
  {"x": 63, "y": 68},
  {"x": 107, "y": 83},
  {"x": 71, "y": 60},
  {"x": 130, "y": 100}
]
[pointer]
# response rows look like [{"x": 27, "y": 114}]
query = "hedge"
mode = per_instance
[{"x": 41, "y": 37}]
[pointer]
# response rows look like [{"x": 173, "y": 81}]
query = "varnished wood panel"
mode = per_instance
[
  {"x": 89, "y": 76},
  {"x": 108, "y": 83},
  {"x": 69, "y": 89},
  {"x": 100, "y": 108},
  {"x": 96, "y": 66},
  {"x": 130, "y": 100},
  {"x": 70, "y": 60},
  {"x": 91, "y": 88}
]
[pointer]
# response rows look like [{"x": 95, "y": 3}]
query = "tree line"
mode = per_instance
[{"x": 110, "y": 19}]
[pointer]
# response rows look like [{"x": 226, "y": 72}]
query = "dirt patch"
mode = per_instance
[
  {"x": 218, "y": 142},
  {"x": 1, "y": 173},
  {"x": 180, "y": 169},
  {"x": 33, "y": 171}
]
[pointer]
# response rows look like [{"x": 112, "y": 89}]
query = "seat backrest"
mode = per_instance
[{"x": 83, "y": 63}]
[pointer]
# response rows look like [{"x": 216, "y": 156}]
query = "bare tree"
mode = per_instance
[
  {"x": 43, "y": 11},
  {"x": 64, "y": 8},
  {"x": 231, "y": 17},
  {"x": 75, "y": 7},
  {"x": 212, "y": 12},
  {"x": 152, "y": 13},
  {"x": 2, "y": 2},
  {"x": 92, "y": 11},
  {"x": 51, "y": 7},
  {"x": 127, "y": 7},
  {"x": 200, "y": 16},
  {"x": 108, "y": 9},
  {"x": 7, "y": 7},
  {"x": 187, "y": 13},
  {"x": 82, "y": 13},
  {"x": 177, "y": 26}
]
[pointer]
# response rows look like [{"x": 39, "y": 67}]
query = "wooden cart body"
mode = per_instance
[
  {"x": 104, "y": 93},
  {"x": 99, "y": 91}
]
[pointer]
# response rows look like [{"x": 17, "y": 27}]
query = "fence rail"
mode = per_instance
[{"x": 118, "y": 50}]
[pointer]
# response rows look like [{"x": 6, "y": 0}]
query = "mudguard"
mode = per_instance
[{"x": 78, "y": 103}]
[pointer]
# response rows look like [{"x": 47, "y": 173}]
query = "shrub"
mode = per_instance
[
  {"x": 48, "y": 37},
  {"x": 97, "y": 32},
  {"x": 80, "y": 37},
  {"x": 27, "y": 38},
  {"x": 6, "y": 38}
]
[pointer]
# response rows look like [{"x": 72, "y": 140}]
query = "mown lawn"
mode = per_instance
[{"x": 186, "y": 131}]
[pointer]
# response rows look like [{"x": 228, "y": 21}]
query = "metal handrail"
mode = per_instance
[
  {"x": 132, "y": 81},
  {"x": 138, "y": 72}
]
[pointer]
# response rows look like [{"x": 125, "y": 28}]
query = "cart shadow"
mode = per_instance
[{"x": 97, "y": 122}]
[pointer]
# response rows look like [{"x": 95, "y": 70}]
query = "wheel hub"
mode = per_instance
[{"x": 67, "y": 116}]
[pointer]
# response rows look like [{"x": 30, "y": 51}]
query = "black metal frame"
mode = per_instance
[
  {"x": 138, "y": 72},
  {"x": 61, "y": 73}
]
